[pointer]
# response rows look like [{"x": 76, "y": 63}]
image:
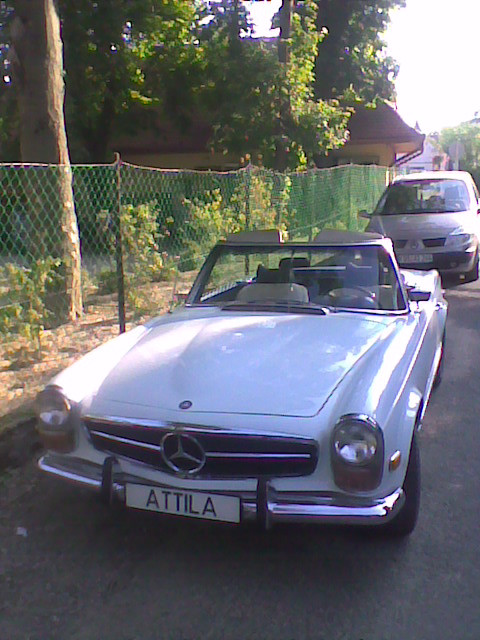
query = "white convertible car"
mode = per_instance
[{"x": 289, "y": 388}]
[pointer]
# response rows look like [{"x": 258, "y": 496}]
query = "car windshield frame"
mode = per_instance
[
  {"x": 424, "y": 196},
  {"x": 221, "y": 297}
]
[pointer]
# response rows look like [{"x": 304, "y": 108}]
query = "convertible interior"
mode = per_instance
[
  {"x": 355, "y": 279},
  {"x": 296, "y": 281}
]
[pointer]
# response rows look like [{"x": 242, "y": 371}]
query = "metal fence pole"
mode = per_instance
[
  {"x": 248, "y": 171},
  {"x": 248, "y": 175},
  {"x": 118, "y": 246}
]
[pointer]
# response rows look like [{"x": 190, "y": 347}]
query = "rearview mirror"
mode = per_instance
[{"x": 418, "y": 296}]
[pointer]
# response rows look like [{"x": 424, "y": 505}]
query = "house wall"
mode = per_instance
[
  {"x": 194, "y": 161},
  {"x": 381, "y": 154},
  {"x": 430, "y": 160}
]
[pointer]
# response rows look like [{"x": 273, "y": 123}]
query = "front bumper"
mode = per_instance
[
  {"x": 445, "y": 261},
  {"x": 266, "y": 506}
]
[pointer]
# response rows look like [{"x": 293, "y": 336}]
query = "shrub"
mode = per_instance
[{"x": 29, "y": 297}]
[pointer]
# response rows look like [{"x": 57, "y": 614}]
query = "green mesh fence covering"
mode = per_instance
[{"x": 143, "y": 230}]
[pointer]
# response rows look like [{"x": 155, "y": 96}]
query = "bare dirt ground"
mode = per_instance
[{"x": 24, "y": 370}]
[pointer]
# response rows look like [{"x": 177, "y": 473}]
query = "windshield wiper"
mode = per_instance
[{"x": 288, "y": 307}]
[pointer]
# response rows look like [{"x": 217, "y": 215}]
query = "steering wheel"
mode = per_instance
[
  {"x": 352, "y": 297},
  {"x": 455, "y": 205}
]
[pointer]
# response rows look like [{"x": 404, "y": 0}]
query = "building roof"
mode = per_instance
[{"x": 381, "y": 124}]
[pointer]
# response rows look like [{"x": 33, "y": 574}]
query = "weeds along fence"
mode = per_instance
[{"x": 141, "y": 228}]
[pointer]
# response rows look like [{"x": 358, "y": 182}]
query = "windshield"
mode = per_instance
[
  {"x": 308, "y": 279},
  {"x": 424, "y": 196}
]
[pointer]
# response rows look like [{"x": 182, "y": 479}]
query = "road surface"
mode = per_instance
[{"x": 73, "y": 569}]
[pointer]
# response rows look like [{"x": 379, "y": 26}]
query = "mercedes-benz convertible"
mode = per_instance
[{"x": 289, "y": 387}]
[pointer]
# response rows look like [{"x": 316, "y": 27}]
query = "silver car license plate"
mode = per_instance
[
  {"x": 193, "y": 504},
  {"x": 415, "y": 258}
]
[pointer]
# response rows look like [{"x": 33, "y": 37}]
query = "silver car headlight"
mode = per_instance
[
  {"x": 54, "y": 422},
  {"x": 458, "y": 238},
  {"x": 357, "y": 453}
]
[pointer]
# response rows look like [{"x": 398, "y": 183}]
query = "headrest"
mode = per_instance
[
  {"x": 287, "y": 264},
  {"x": 293, "y": 263},
  {"x": 266, "y": 276}
]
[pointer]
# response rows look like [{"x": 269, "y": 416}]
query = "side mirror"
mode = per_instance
[
  {"x": 414, "y": 295},
  {"x": 365, "y": 214}
]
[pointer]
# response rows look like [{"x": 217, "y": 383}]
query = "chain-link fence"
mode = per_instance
[
  {"x": 143, "y": 234},
  {"x": 141, "y": 228}
]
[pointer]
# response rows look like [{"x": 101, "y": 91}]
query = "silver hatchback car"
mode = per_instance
[{"x": 434, "y": 222}]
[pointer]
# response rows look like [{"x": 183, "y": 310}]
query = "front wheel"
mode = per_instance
[{"x": 404, "y": 523}]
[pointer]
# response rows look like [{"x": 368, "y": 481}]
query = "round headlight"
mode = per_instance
[
  {"x": 355, "y": 443},
  {"x": 53, "y": 408},
  {"x": 357, "y": 453},
  {"x": 55, "y": 425}
]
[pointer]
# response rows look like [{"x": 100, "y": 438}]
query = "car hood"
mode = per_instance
[
  {"x": 275, "y": 364},
  {"x": 423, "y": 225}
]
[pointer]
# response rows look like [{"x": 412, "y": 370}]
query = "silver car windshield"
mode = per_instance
[
  {"x": 424, "y": 196},
  {"x": 308, "y": 279}
]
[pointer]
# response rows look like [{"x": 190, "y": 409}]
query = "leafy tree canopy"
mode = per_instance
[
  {"x": 120, "y": 54},
  {"x": 130, "y": 63},
  {"x": 247, "y": 91},
  {"x": 468, "y": 135},
  {"x": 351, "y": 55}
]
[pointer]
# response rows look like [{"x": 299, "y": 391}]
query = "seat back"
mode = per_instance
[{"x": 279, "y": 292}]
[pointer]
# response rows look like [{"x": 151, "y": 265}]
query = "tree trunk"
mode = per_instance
[
  {"x": 281, "y": 143},
  {"x": 38, "y": 74}
]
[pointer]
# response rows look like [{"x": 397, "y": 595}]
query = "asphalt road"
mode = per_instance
[{"x": 73, "y": 569}]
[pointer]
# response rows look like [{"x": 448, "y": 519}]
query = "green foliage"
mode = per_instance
[
  {"x": 254, "y": 110},
  {"x": 26, "y": 296},
  {"x": 252, "y": 206},
  {"x": 351, "y": 57},
  {"x": 122, "y": 58},
  {"x": 468, "y": 134},
  {"x": 142, "y": 261},
  {"x": 106, "y": 282},
  {"x": 135, "y": 65},
  {"x": 210, "y": 219}
]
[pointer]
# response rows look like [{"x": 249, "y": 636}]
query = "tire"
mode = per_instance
[
  {"x": 472, "y": 275},
  {"x": 404, "y": 523}
]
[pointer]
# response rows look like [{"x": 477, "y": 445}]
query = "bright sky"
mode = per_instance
[{"x": 437, "y": 45}]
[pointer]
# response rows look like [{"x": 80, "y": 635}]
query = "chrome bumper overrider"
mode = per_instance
[{"x": 268, "y": 507}]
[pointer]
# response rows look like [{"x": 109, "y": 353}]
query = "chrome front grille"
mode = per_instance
[
  {"x": 228, "y": 454},
  {"x": 434, "y": 242},
  {"x": 427, "y": 242}
]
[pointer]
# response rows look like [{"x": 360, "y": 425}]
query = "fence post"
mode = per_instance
[
  {"x": 248, "y": 170},
  {"x": 352, "y": 214},
  {"x": 118, "y": 245},
  {"x": 311, "y": 197}
]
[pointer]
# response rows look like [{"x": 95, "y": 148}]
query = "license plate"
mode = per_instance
[
  {"x": 193, "y": 504},
  {"x": 415, "y": 258}
]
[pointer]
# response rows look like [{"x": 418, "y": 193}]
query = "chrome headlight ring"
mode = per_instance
[
  {"x": 55, "y": 425},
  {"x": 357, "y": 453},
  {"x": 52, "y": 408}
]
